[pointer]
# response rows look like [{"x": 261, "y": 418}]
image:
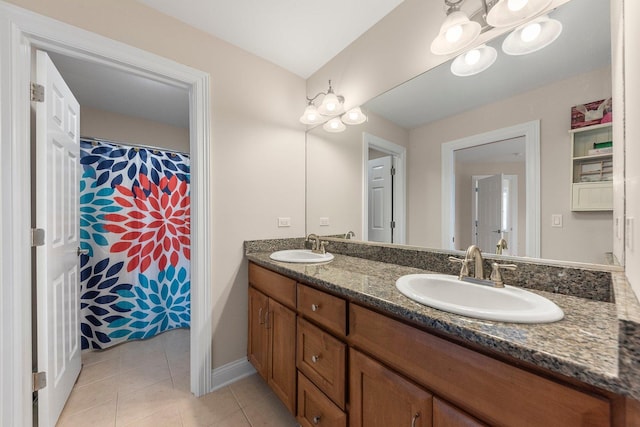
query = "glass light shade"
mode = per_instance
[
  {"x": 474, "y": 61},
  {"x": 508, "y": 13},
  {"x": 331, "y": 105},
  {"x": 334, "y": 125},
  {"x": 456, "y": 33},
  {"x": 354, "y": 117},
  {"x": 521, "y": 41},
  {"x": 310, "y": 115}
]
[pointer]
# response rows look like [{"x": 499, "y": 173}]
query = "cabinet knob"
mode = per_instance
[
  {"x": 315, "y": 307},
  {"x": 316, "y": 419},
  {"x": 315, "y": 358}
]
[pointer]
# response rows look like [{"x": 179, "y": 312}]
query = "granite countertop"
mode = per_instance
[{"x": 584, "y": 345}]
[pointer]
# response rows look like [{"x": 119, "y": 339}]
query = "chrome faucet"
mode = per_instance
[
  {"x": 502, "y": 245},
  {"x": 315, "y": 241},
  {"x": 473, "y": 252},
  {"x": 317, "y": 246}
]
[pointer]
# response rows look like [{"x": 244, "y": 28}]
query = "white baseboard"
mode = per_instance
[{"x": 231, "y": 372}]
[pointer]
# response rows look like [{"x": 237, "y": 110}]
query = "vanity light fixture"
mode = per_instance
[
  {"x": 332, "y": 106},
  {"x": 532, "y": 36},
  {"x": 456, "y": 32},
  {"x": 474, "y": 61},
  {"x": 311, "y": 116},
  {"x": 354, "y": 117},
  {"x": 509, "y": 13},
  {"x": 334, "y": 125}
]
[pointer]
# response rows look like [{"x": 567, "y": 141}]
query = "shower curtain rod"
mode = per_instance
[{"x": 146, "y": 147}]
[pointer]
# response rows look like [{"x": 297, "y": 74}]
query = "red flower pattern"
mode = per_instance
[{"x": 157, "y": 226}]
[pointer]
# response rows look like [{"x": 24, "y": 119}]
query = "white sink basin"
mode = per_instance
[
  {"x": 508, "y": 304},
  {"x": 304, "y": 256}
]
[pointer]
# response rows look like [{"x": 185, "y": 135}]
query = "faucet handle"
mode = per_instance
[
  {"x": 323, "y": 244},
  {"x": 464, "y": 266},
  {"x": 496, "y": 274}
]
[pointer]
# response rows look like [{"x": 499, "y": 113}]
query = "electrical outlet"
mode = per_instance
[
  {"x": 556, "y": 220},
  {"x": 324, "y": 221},
  {"x": 284, "y": 222}
]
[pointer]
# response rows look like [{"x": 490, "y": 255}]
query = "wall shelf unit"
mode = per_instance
[{"x": 592, "y": 168}]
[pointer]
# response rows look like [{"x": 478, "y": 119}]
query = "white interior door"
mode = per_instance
[
  {"x": 57, "y": 196},
  {"x": 489, "y": 228},
  {"x": 380, "y": 206}
]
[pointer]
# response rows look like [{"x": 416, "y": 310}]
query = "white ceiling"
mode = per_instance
[
  {"x": 299, "y": 35},
  {"x": 109, "y": 89}
]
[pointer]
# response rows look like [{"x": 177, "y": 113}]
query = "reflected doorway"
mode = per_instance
[{"x": 384, "y": 194}]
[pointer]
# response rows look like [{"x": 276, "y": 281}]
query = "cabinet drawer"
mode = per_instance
[
  {"x": 322, "y": 308},
  {"x": 445, "y": 415},
  {"x": 274, "y": 285},
  {"x": 494, "y": 391},
  {"x": 322, "y": 358},
  {"x": 315, "y": 409}
]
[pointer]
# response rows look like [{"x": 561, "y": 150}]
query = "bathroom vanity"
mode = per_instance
[{"x": 340, "y": 345}]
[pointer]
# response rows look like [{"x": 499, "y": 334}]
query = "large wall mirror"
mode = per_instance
[{"x": 506, "y": 129}]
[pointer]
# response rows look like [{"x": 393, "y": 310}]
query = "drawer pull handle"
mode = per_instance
[
  {"x": 414, "y": 419},
  {"x": 315, "y": 307},
  {"x": 315, "y": 358},
  {"x": 316, "y": 419},
  {"x": 260, "y": 319}
]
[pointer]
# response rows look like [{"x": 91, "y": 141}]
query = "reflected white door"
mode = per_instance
[
  {"x": 489, "y": 227},
  {"x": 57, "y": 196},
  {"x": 380, "y": 203}
]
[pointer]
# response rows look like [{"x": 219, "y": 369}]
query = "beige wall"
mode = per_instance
[
  {"x": 585, "y": 236},
  {"x": 334, "y": 174},
  {"x": 632, "y": 136},
  {"x": 127, "y": 129},
  {"x": 258, "y": 144}
]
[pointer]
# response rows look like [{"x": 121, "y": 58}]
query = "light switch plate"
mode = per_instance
[
  {"x": 556, "y": 220},
  {"x": 324, "y": 221},
  {"x": 284, "y": 222}
]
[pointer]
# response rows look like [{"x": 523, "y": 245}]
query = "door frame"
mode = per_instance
[
  {"x": 531, "y": 133},
  {"x": 399, "y": 154},
  {"x": 20, "y": 31}
]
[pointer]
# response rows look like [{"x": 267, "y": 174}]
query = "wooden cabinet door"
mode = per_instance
[
  {"x": 258, "y": 345},
  {"x": 446, "y": 415},
  {"x": 382, "y": 398},
  {"x": 281, "y": 323}
]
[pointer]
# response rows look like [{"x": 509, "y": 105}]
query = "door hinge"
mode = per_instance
[
  {"x": 37, "y": 92},
  {"x": 39, "y": 380},
  {"x": 393, "y": 224},
  {"x": 37, "y": 237},
  {"x": 393, "y": 171}
]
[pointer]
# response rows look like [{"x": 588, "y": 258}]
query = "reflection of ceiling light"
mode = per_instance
[
  {"x": 474, "y": 61},
  {"x": 334, "y": 125},
  {"x": 354, "y": 117},
  {"x": 456, "y": 33},
  {"x": 332, "y": 105},
  {"x": 532, "y": 36},
  {"x": 508, "y": 13}
]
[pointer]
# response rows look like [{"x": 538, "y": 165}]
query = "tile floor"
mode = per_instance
[{"x": 146, "y": 383}]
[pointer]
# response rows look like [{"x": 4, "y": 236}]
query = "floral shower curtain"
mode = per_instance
[{"x": 135, "y": 232}]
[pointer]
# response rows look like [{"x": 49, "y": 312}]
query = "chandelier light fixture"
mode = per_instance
[
  {"x": 533, "y": 32},
  {"x": 330, "y": 111}
]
